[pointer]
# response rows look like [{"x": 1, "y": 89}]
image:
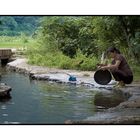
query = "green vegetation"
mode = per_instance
[
  {"x": 15, "y": 25},
  {"x": 18, "y": 42},
  {"x": 72, "y": 42},
  {"x": 58, "y": 60},
  {"x": 136, "y": 71}
]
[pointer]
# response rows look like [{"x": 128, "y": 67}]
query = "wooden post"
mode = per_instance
[{"x": 5, "y": 55}]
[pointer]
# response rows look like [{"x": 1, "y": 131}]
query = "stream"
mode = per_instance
[{"x": 41, "y": 102}]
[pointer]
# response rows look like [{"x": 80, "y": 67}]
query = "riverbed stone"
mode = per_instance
[
  {"x": 127, "y": 112},
  {"x": 39, "y": 77},
  {"x": 133, "y": 103},
  {"x": 4, "y": 91},
  {"x": 118, "y": 120},
  {"x": 110, "y": 99}
]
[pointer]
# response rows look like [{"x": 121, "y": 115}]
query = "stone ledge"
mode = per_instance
[
  {"x": 118, "y": 120},
  {"x": 5, "y": 91}
]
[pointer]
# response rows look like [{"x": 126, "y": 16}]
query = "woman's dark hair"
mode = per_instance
[{"x": 113, "y": 49}]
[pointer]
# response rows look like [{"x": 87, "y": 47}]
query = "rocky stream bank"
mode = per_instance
[{"x": 114, "y": 106}]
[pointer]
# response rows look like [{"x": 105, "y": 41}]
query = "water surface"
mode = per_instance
[{"x": 38, "y": 102}]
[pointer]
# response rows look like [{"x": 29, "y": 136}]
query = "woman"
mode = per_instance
[{"x": 119, "y": 67}]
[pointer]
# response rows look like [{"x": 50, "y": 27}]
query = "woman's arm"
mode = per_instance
[
  {"x": 110, "y": 66},
  {"x": 99, "y": 65}
]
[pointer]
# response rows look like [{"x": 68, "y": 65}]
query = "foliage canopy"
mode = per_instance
[{"x": 92, "y": 34}]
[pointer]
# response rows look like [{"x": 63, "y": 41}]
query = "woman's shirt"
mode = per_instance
[{"x": 124, "y": 67}]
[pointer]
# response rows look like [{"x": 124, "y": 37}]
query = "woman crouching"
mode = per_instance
[{"x": 119, "y": 67}]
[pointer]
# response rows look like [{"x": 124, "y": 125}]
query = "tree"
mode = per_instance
[
  {"x": 92, "y": 34},
  {"x": 14, "y": 25}
]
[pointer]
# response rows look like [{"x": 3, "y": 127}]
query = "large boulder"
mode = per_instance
[
  {"x": 5, "y": 91},
  {"x": 110, "y": 99},
  {"x": 133, "y": 102}
]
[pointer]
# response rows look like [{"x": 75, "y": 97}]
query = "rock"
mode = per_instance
[
  {"x": 39, "y": 77},
  {"x": 132, "y": 103},
  {"x": 117, "y": 120},
  {"x": 110, "y": 99},
  {"x": 5, "y": 91},
  {"x": 113, "y": 116},
  {"x": 127, "y": 112}
]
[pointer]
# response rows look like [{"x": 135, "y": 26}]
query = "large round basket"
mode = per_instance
[{"x": 102, "y": 77}]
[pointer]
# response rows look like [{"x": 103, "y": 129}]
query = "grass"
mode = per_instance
[
  {"x": 44, "y": 57},
  {"x": 10, "y": 42},
  {"x": 56, "y": 59},
  {"x": 15, "y": 42},
  {"x": 11, "y": 45},
  {"x": 136, "y": 72}
]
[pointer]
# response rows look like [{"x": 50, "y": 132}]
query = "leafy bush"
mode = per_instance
[
  {"x": 59, "y": 60},
  {"x": 77, "y": 42},
  {"x": 69, "y": 34}
]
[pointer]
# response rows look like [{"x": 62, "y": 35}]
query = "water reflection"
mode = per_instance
[{"x": 38, "y": 102}]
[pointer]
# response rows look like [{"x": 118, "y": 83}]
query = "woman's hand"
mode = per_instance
[
  {"x": 109, "y": 66},
  {"x": 99, "y": 66},
  {"x": 103, "y": 68}
]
